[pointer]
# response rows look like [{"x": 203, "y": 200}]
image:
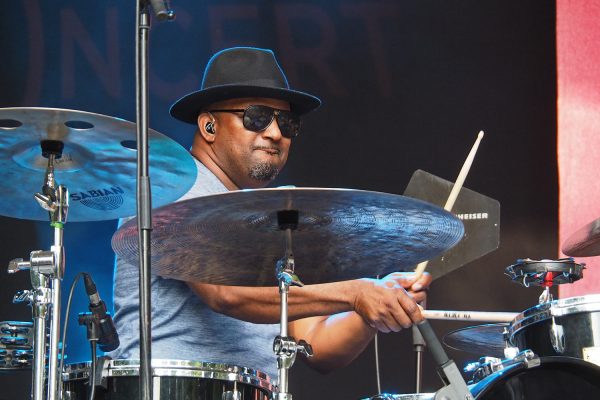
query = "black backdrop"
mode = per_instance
[{"x": 405, "y": 84}]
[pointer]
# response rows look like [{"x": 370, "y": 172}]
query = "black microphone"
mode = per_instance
[{"x": 108, "y": 338}]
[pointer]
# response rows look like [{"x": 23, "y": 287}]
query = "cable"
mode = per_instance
[
  {"x": 64, "y": 337},
  {"x": 92, "y": 378}
]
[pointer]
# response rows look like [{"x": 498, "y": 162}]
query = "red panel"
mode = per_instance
[{"x": 578, "y": 63}]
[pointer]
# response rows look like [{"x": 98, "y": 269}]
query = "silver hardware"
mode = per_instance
[
  {"x": 487, "y": 366},
  {"x": 231, "y": 395},
  {"x": 557, "y": 337},
  {"x": 546, "y": 296},
  {"x": 46, "y": 269}
]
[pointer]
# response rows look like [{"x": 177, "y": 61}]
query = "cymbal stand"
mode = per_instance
[
  {"x": 47, "y": 270},
  {"x": 284, "y": 346},
  {"x": 39, "y": 298}
]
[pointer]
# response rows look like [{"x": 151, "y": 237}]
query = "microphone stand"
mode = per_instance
[{"x": 144, "y": 207}]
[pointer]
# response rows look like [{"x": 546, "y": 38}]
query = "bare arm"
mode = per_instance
[
  {"x": 338, "y": 339},
  {"x": 376, "y": 300},
  {"x": 261, "y": 304},
  {"x": 338, "y": 319}
]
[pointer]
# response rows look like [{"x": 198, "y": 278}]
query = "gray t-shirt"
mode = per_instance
[{"x": 183, "y": 326}]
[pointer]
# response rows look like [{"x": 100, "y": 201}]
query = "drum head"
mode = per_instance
[{"x": 555, "y": 378}]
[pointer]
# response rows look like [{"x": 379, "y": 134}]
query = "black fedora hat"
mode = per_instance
[{"x": 240, "y": 72}]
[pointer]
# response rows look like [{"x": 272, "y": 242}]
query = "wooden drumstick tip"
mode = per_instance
[{"x": 480, "y": 135}]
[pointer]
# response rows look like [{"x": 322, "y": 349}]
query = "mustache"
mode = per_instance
[{"x": 270, "y": 148}]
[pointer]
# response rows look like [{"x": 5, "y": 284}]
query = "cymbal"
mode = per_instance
[
  {"x": 233, "y": 238},
  {"x": 98, "y": 164},
  {"x": 585, "y": 242},
  {"x": 482, "y": 340}
]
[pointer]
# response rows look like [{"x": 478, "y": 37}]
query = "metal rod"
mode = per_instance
[
  {"x": 143, "y": 198},
  {"x": 40, "y": 314},
  {"x": 419, "y": 348},
  {"x": 54, "y": 375},
  {"x": 283, "y": 332},
  {"x": 419, "y": 370}
]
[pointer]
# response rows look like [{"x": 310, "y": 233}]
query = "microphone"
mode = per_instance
[
  {"x": 108, "y": 338},
  {"x": 162, "y": 10}
]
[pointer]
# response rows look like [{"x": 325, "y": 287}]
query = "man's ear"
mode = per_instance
[{"x": 207, "y": 126}]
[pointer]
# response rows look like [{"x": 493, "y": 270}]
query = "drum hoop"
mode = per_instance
[
  {"x": 547, "y": 361},
  {"x": 28, "y": 324},
  {"x": 555, "y": 308},
  {"x": 175, "y": 368}
]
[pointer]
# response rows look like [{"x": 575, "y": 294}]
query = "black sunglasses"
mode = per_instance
[{"x": 257, "y": 118}]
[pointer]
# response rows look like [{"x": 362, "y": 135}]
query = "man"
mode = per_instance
[{"x": 246, "y": 116}]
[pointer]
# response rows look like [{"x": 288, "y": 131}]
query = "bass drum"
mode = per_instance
[
  {"x": 172, "y": 380},
  {"x": 555, "y": 378}
]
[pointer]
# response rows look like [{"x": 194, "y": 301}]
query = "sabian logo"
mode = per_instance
[{"x": 100, "y": 199}]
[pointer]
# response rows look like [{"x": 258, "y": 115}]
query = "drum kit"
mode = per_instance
[{"x": 547, "y": 351}]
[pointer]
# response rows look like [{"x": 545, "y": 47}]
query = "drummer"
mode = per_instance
[{"x": 246, "y": 117}]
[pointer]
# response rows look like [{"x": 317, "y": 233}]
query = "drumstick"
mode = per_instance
[
  {"x": 464, "y": 171},
  {"x": 484, "y": 316}
]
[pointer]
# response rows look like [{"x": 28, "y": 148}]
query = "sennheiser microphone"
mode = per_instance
[{"x": 108, "y": 338}]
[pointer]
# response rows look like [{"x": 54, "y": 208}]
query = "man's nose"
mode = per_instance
[{"x": 273, "y": 132}]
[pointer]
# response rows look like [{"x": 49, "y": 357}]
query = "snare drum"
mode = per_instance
[
  {"x": 16, "y": 345},
  {"x": 172, "y": 380},
  {"x": 565, "y": 327}
]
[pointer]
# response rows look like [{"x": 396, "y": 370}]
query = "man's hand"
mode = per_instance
[
  {"x": 417, "y": 289},
  {"x": 386, "y": 305}
]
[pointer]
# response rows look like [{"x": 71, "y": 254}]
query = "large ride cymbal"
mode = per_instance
[
  {"x": 233, "y": 238},
  {"x": 585, "y": 242},
  {"x": 482, "y": 340},
  {"x": 98, "y": 164}
]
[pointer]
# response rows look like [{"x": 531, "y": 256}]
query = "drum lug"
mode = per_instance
[
  {"x": 231, "y": 395},
  {"x": 282, "y": 396},
  {"x": 557, "y": 337}
]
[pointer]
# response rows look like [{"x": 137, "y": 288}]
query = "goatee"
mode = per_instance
[{"x": 263, "y": 172}]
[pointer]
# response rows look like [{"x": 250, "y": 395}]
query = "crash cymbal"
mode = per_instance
[
  {"x": 585, "y": 242},
  {"x": 482, "y": 340},
  {"x": 98, "y": 164},
  {"x": 234, "y": 239}
]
